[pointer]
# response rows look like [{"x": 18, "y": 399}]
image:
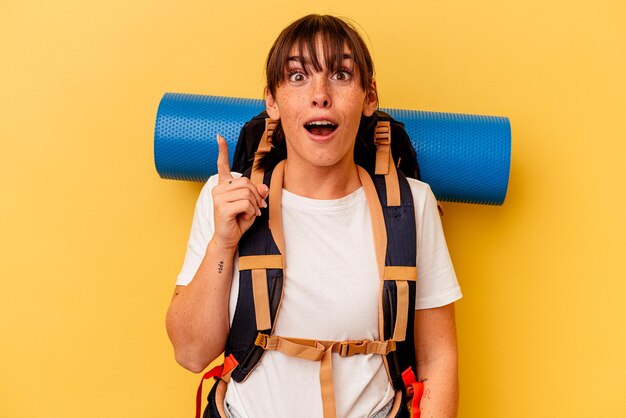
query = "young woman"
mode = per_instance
[{"x": 319, "y": 86}]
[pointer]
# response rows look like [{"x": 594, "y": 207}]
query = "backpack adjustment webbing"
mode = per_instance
[
  {"x": 259, "y": 264},
  {"x": 256, "y": 176},
  {"x": 321, "y": 351},
  {"x": 401, "y": 275},
  {"x": 384, "y": 162},
  {"x": 314, "y": 349}
]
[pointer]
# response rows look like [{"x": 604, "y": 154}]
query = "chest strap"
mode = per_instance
[{"x": 316, "y": 350}]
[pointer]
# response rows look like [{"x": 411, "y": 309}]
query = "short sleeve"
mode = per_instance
[{"x": 437, "y": 284}]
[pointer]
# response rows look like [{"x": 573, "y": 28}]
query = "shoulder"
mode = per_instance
[{"x": 422, "y": 194}]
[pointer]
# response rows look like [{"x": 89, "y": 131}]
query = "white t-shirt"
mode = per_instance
[{"x": 330, "y": 293}]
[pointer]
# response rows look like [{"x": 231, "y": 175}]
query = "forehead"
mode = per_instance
[
  {"x": 320, "y": 52},
  {"x": 320, "y": 45}
]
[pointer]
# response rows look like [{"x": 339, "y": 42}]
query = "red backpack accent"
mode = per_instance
[
  {"x": 414, "y": 391},
  {"x": 216, "y": 372}
]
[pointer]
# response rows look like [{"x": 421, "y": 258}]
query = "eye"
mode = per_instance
[
  {"x": 343, "y": 75},
  {"x": 296, "y": 76}
]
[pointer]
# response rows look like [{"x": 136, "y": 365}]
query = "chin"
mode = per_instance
[{"x": 328, "y": 160}]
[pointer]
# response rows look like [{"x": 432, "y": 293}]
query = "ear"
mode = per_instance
[
  {"x": 271, "y": 107},
  {"x": 370, "y": 104}
]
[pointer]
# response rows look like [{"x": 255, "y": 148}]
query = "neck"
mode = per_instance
[{"x": 322, "y": 183}]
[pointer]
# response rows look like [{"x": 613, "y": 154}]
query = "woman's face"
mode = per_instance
[{"x": 320, "y": 112}]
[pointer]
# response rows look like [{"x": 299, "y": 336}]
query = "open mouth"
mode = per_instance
[{"x": 321, "y": 127}]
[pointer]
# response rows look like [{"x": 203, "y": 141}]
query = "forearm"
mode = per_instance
[
  {"x": 441, "y": 387},
  {"x": 437, "y": 361},
  {"x": 197, "y": 320}
]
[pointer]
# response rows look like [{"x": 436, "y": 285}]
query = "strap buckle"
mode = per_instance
[
  {"x": 261, "y": 340},
  {"x": 352, "y": 347},
  {"x": 391, "y": 346}
]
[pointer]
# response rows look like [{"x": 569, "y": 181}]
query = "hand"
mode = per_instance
[{"x": 236, "y": 202}]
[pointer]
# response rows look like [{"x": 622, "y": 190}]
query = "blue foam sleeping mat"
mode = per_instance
[{"x": 464, "y": 158}]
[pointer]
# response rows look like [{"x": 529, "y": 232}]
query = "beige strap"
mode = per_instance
[
  {"x": 326, "y": 367},
  {"x": 384, "y": 162},
  {"x": 276, "y": 217},
  {"x": 378, "y": 221},
  {"x": 382, "y": 139},
  {"x": 261, "y": 299},
  {"x": 397, "y": 404},
  {"x": 220, "y": 394},
  {"x": 379, "y": 232},
  {"x": 321, "y": 351},
  {"x": 400, "y": 273},
  {"x": 251, "y": 262},
  {"x": 313, "y": 349},
  {"x": 259, "y": 265},
  {"x": 257, "y": 174},
  {"x": 326, "y": 384},
  {"x": 402, "y": 310},
  {"x": 301, "y": 348}
]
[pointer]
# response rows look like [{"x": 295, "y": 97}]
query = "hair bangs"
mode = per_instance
[
  {"x": 323, "y": 51},
  {"x": 320, "y": 43}
]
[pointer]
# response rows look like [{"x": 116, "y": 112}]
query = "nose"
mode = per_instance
[{"x": 320, "y": 94}]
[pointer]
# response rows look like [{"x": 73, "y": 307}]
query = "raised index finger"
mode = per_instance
[{"x": 223, "y": 165}]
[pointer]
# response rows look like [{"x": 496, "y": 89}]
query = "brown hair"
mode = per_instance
[{"x": 336, "y": 34}]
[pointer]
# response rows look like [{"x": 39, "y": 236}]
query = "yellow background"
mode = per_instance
[{"x": 92, "y": 238}]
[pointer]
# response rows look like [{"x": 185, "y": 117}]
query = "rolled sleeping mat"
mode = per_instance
[{"x": 464, "y": 158}]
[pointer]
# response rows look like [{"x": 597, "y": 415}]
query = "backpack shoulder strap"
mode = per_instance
[
  {"x": 399, "y": 273},
  {"x": 261, "y": 279}
]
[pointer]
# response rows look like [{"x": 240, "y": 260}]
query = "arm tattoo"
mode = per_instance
[
  {"x": 426, "y": 394},
  {"x": 220, "y": 266}
]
